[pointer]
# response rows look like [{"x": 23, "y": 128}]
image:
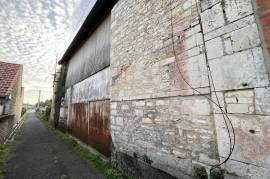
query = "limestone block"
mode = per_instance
[
  {"x": 139, "y": 112},
  {"x": 241, "y": 70},
  {"x": 195, "y": 107},
  {"x": 214, "y": 48},
  {"x": 193, "y": 41},
  {"x": 167, "y": 61},
  {"x": 188, "y": 4},
  {"x": 114, "y": 112},
  {"x": 191, "y": 52},
  {"x": 237, "y": 9},
  {"x": 138, "y": 103},
  {"x": 207, "y": 160},
  {"x": 119, "y": 121},
  {"x": 240, "y": 108},
  {"x": 113, "y": 105},
  {"x": 252, "y": 136},
  {"x": 212, "y": 18},
  {"x": 245, "y": 170},
  {"x": 230, "y": 27},
  {"x": 228, "y": 49},
  {"x": 125, "y": 107},
  {"x": 262, "y": 100},
  {"x": 245, "y": 38},
  {"x": 147, "y": 121},
  {"x": 192, "y": 30},
  {"x": 194, "y": 71},
  {"x": 205, "y": 4},
  {"x": 240, "y": 101},
  {"x": 220, "y": 99}
]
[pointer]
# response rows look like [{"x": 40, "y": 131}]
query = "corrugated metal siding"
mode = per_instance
[
  {"x": 91, "y": 123},
  {"x": 93, "y": 56},
  {"x": 96, "y": 87}
]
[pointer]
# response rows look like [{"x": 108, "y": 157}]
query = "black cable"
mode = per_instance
[{"x": 224, "y": 114}]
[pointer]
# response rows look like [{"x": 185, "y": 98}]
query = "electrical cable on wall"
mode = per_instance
[{"x": 224, "y": 114}]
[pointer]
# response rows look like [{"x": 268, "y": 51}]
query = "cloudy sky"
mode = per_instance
[{"x": 33, "y": 32}]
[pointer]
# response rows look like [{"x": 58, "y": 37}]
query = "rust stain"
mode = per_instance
[
  {"x": 91, "y": 122},
  {"x": 254, "y": 149}
]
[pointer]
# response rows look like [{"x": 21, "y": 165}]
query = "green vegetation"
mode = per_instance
[
  {"x": 59, "y": 94},
  {"x": 24, "y": 117},
  {"x": 217, "y": 173},
  {"x": 93, "y": 159},
  {"x": 200, "y": 172},
  {"x": 47, "y": 104},
  {"x": 4, "y": 151},
  {"x": 23, "y": 111}
]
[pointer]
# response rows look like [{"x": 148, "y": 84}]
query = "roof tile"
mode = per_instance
[{"x": 9, "y": 74}]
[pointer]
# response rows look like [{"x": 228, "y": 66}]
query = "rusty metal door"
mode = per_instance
[{"x": 91, "y": 124}]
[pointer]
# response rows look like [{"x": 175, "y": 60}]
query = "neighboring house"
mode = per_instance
[
  {"x": 148, "y": 83},
  {"x": 11, "y": 91}
]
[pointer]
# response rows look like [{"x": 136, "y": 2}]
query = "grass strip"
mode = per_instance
[
  {"x": 4, "y": 151},
  {"x": 93, "y": 159}
]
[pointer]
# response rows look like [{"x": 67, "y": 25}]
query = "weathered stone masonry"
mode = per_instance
[{"x": 157, "y": 117}]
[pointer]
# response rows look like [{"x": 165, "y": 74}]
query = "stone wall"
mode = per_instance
[
  {"x": 6, "y": 127},
  {"x": 164, "y": 92},
  {"x": 16, "y": 100}
]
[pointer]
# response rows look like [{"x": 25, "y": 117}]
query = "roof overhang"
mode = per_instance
[{"x": 99, "y": 10}]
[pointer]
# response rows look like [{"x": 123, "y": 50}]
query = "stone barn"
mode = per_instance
[
  {"x": 88, "y": 80},
  {"x": 173, "y": 88}
]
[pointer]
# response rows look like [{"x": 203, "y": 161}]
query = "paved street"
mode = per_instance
[{"x": 37, "y": 152}]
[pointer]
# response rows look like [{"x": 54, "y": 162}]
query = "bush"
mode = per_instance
[
  {"x": 48, "y": 112},
  {"x": 23, "y": 111}
]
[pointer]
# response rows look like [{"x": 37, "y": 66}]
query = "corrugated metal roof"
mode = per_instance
[{"x": 96, "y": 15}]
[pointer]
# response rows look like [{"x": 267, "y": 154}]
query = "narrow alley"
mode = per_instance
[
  {"x": 37, "y": 152},
  {"x": 143, "y": 89}
]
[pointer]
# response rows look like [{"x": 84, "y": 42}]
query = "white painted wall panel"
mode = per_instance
[{"x": 96, "y": 87}]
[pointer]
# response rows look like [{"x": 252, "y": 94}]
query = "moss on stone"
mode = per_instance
[
  {"x": 199, "y": 172},
  {"x": 217, "y": 173}
]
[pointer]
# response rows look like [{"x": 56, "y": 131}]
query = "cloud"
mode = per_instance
[{"x": 32, "y": 32}]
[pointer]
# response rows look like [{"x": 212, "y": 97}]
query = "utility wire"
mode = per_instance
[{"x": 224, "y": 114}]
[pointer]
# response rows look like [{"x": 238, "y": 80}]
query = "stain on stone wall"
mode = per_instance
[
  {"x": 238, "y": 67},
  {"x": 156, "y": 113}
]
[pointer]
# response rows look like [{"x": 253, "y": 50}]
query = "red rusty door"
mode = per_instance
[{"x": 91, "y": 124}]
